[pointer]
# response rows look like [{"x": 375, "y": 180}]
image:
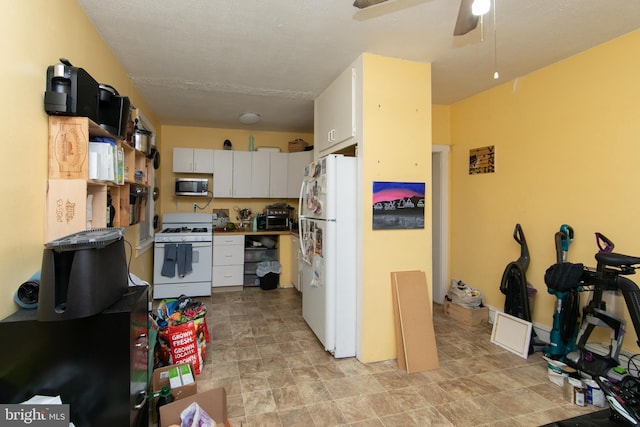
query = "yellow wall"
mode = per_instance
[
  {"x": 567, "y": 149},
  {"x": 34, "y": 35},
  {"x": 397, "y": 147},
  {"x": 441, "y": 124}
]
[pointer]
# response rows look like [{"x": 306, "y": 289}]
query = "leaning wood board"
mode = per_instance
[{"x": 415, "y": 336}]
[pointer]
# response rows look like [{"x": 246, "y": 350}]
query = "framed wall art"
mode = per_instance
[{"x": 398, "y": 205}]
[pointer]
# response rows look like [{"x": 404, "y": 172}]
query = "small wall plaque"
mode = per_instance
[{"x": 482, "y": 160}]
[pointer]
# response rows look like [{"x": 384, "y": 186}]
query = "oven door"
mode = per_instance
[{"x": 200, "y": 264}]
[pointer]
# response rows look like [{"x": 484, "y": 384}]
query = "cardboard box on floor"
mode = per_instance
[
  {"x": 161, "y": 379},
  {"x": 465, "y": 315},
  {"x": 213, "y": 402}
]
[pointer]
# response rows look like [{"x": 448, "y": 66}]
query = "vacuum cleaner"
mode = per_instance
[
  {"x": 565, "y": 318},
  {"x": 515, "y": 287}
]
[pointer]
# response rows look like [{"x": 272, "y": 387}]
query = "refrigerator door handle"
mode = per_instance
[
  {"x": 301, "y": 220},
  {"x": 300, "y": 203},
  {"x": 303, "y": 249}
]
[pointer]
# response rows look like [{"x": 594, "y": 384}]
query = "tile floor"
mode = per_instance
[{"x": 276, "y": 373}]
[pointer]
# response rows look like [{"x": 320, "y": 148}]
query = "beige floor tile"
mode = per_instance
[
  {"x": 429, "y": 417},
  {"x": 326, "y": 414},
  {"x": 288, "y": 398},
  {"x": 299, "y": 417},
  {"x": 384, "y": 404},
  {"x": 341, "y": 388},
  {"x": 258, "y": 402},
  {"x": 313, "y": 392}
]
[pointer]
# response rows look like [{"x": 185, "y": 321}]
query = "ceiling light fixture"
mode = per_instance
[
  {"x": 480, "y": 7},
  {"x": 496, "y": 75},
  {"x": 249, "y": 118}
]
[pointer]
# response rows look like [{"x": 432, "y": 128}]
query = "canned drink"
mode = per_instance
[{"x": 580, "y": 396}]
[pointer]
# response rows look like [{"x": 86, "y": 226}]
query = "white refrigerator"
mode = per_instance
[{"x": 327, "y": 227}]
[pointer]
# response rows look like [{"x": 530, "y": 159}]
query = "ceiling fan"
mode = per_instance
[{"x": 465, "y": 22}]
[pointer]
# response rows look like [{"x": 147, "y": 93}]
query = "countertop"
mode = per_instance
[{"x": 258, "y": 233}]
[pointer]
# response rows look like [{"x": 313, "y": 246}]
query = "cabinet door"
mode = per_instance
[
  {"x": 295, "y": 272},
  {"x": 278, "y": 175},
  {"x": 260, "y": 173},
  {"x": 222, "y": 173},
  {"x": 295, "y": 172},
  {"x": 334, "y": 112},
  {"x": 242, "y": 174},
  {"x": 183, "y": 160},
  {"x": 202, "y": 160}
]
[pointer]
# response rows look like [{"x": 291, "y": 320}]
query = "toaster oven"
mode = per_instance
[{"x": 275, "y": 219}]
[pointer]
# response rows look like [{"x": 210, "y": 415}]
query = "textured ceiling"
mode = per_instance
[{"x": 203, "y": 62}]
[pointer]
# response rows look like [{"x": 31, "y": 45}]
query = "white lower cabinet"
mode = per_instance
[{"x": 228, "y": 260}]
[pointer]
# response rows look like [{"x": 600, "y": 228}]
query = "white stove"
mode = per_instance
[{"x": 183, "y": 253}]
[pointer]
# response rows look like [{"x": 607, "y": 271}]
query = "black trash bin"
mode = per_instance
[{"x": 268, "y": 273}]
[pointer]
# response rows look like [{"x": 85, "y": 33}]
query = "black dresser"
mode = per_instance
[{"x": 98, "y": 364}]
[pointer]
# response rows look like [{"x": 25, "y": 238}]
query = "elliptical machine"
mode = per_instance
[{"x": 609, "y": 275}]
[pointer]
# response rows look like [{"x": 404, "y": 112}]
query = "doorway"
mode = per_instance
[{"x": 440, "y": 220}]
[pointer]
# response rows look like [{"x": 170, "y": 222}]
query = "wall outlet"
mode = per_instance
[{"x": 195, "y": 207}]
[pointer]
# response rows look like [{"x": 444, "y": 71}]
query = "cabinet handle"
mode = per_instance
[
  {"x": 144, "y": 396},
  {"x": 228, "y": 275},
  {"x": 143, "y": 344},
  {"x": 332, "y": 135}
]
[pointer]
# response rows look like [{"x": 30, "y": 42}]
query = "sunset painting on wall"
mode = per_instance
[{"x": 398, "y": 205}]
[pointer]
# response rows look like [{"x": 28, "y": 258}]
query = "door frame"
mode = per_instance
[{"x": 440, "y": 221}]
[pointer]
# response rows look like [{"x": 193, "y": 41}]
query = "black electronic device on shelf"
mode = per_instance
[
  {"x": 71, "y": 91},
  {"x": 82, "y": 274}
]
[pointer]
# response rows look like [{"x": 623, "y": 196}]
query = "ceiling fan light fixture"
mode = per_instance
[
  {"x": 249, "y": 118},
  {"x": 480, "y": 7}
]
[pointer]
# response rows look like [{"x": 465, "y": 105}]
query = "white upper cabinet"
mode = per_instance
[
  {"x": 193, "y": 160},
  {"x": 278, "y": 173},
  {"x": 222, "y": 173},
  {"x": 334, "y": 114},
  {"x": 295, "y": 171},
  {"x": 242, "y": 174},
  {"x": 260, "y": 174}
]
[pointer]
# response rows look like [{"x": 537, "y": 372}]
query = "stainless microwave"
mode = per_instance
[{"x": 192, "y": 187}]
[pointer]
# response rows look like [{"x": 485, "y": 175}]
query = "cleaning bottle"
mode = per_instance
[
  {"x": 164, "y": 396},
  {"x": 250, "y": 142}
]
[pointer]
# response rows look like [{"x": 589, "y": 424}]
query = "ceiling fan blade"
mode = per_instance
[
  {"x": 361, "y": 4},
  {"x": 466, "y": 20}
]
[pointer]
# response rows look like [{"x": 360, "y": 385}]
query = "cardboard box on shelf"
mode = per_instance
[
  {"x": 213, "y": 402},
  {"x": 297, "y": 145},
  {"x": 465, "y": 315}
]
